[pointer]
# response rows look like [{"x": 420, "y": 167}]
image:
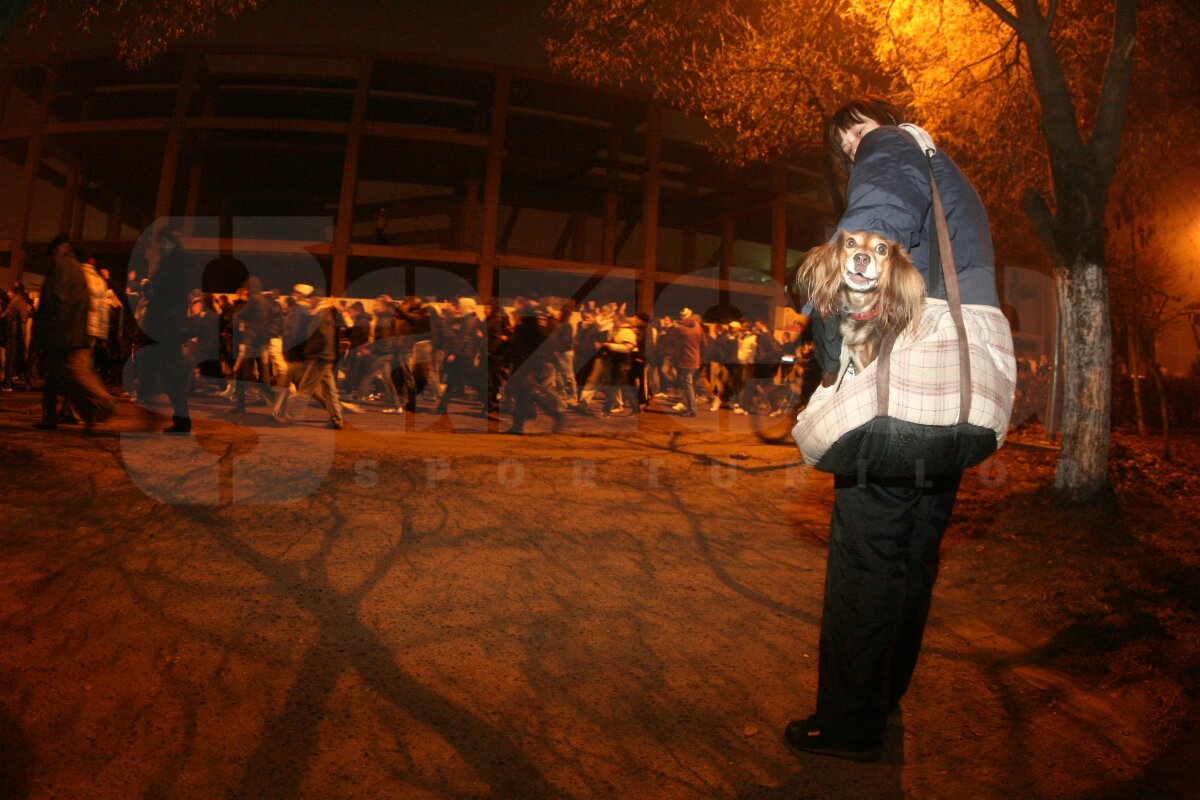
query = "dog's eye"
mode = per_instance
[
  {"x": 851, "y": 242},
  {"x": 881, "y": 248}
]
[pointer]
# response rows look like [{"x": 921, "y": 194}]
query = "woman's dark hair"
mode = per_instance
[
  {"x": 861, "y": 109},
  {"x": 62, "y": 238}
]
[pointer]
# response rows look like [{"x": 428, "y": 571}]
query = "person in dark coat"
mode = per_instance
[
  {"x": 252, "y": 326},
  {"x": 383, "y": 352},
  {"x": 165, "y": 328},
  {"x": 533, "y": 366},
  {"x": 60, "y": 334},
  {"x": 412, "y": 327},
  {"x": 358, "y": 357},
  {"x": 499, "y": 335},
  {"x": 884, "y": 538},
  {"x": 464, "y": 344}
]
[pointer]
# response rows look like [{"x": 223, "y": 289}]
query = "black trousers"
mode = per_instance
[
  {"x": 529, "y": 387},
  {"x": 163, "y": 365},
  {"x": 884, "y": 542},
  {"x": 460, "y": 373}
]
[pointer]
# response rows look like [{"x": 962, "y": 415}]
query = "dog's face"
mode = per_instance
[
  {"x": 859, "y": 270},
  {"x": 864, "y": 257}
]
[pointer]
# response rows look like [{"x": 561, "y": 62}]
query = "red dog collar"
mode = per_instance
[{"x": 872, "y": 314}]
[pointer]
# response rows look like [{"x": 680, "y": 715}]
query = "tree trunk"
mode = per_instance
[
  {"x": 1082, "y": 469},
  {"x": 1133, "y": 361}
]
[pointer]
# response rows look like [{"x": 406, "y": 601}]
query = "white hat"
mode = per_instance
[
  {"x": 685, "y": 313},
  {"x": 302, "y": 289}
]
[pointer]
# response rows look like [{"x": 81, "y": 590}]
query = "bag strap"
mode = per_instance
[
  {"x": 883, "y": 373},
  {"x": 941, "y": 265},
  {"x": 945, "y": 255}
]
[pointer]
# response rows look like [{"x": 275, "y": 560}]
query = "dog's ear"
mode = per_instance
[
  {"x": 902, "y": 291},
  {"x": 821, "y": 275}
]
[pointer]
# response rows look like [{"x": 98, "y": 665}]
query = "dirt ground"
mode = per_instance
[{"x": 623, "y": 610}]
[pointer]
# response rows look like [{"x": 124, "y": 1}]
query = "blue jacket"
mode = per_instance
[{"x": 889, "y": 194}]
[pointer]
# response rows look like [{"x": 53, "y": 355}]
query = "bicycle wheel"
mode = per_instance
[{"x": 777, "y": 416}]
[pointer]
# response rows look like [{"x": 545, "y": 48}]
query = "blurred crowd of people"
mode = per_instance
[{"x": 275, "y": 351}]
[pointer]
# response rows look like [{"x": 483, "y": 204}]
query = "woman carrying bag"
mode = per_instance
[{"x": 885, "y": 532}]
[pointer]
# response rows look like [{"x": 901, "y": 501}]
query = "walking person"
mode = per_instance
[
  {"x": 689, "y": 345},
  {"x": 383, "y": 354},
  {"x": 563, "y": 344},
  {"x": 533, "y": 367},
  {"x": 499, "y": 334},
  {"x": 165, "y": 329},
  {"x": 412, "y": 331},
  {"x": 464, "y": 344},
  {"x": 60, "y": 335},
  {"x": 322, "y": 321},
  {"x": 14, "y": 321},
  {"x": 884, "y": 537}
]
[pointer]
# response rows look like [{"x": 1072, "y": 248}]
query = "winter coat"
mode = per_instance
[
  {"x": 499, "y": 332},
  {"x": 322, "y": 342},
  {"x": 253, "y": 323},
  {"x": 464, "y": 337},
  {"x": 889, "y": 194},
  {"x": 165, "y": 309},
  {"x": 411, "y": 323},
  {"x": 690, "y": 343},
  {"x": 62, "y": 315}
]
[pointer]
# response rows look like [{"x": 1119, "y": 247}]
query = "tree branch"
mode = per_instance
[
  {"x": 1114, "y": 94},
  {"x": 1006, "y": 16},
  {"x": 998, "y": 54},
  {"x": 1059, "y": 124},
  {"x": 1043, "y": 223}
]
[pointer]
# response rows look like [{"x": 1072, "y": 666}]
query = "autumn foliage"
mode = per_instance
[{"x": 143, "y": 28}]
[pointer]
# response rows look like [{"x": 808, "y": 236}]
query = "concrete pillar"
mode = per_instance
[
  {"x": 650, "y": 191},
  {"x": 29, "y": 176},
  {"x": 612, "y": 202},
  {"x": 175, "y": 134},
  {"x": 725, "y": 265},
  {"x": 491, "y": 189},
  {"x": 344, "y": 226},
  {"x": 779, "y": 223}
]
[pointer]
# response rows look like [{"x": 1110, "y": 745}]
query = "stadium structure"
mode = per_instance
[{"x": 373, "y": 172}]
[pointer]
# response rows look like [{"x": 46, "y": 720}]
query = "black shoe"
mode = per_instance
[
  {"x": 179, "y": 426},
  {"x": 804, "y": 735},
  {"x": 337, "y": 426}
]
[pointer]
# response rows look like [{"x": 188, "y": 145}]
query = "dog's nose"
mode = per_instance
[{"x": 861, "y": 260}]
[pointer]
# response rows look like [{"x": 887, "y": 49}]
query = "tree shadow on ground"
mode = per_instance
[
  {"x": 290, "y": 740},
  {"x": 16, "y": 759}
]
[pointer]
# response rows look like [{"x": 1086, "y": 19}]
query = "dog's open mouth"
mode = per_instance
[{"x": 858, "y": 279}]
